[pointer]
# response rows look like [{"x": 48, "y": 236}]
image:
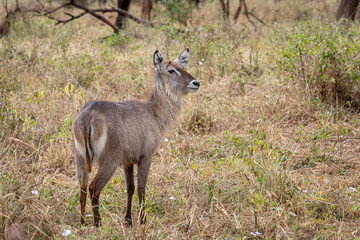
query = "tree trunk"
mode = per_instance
[
  {"x": 124, "y": 5},
  {"x": 146, "y": 9},
  {"x": 196, "y": 2},
  {"x": 347, "y": 9},
  {"x": 225, "y": 6}
]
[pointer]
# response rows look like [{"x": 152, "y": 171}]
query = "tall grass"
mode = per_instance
[{"x": 259, "y": 152}]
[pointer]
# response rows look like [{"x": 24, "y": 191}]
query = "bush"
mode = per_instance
[
  {"x": 177, "y": 10},
  {"x": 324, "y": 58},
  {"x": 117, "y": 40}
]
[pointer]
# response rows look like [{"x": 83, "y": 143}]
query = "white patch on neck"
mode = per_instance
[
  {"x": 79, "y": 148},
  {"x": 174, "y": 95},
  {"x": 166, "y": 90}
]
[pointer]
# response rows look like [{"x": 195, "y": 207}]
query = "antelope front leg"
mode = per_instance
[
  {"x": 130, "y": 187},
  {"x": 143, "y": 171}
]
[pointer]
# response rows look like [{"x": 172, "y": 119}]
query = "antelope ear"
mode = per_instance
[
  {"x": 158, "y": 61},
  {"x": 183, "y": 58}
]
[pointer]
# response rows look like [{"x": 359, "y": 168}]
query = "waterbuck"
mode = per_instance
[{"x": 127, "y": 134}]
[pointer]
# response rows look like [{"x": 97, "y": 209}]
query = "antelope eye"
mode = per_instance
[{"x": 171, "y": 71}]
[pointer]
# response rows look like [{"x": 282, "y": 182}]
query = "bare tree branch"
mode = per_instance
[
  {"x": 72, "y": 17},
  {"x": 254, "y": 16},
  {"x": 238, "y": 10},
  {"x": 5, "y": 5},
  {"x": 55, "y": 9},
  {"x": 93, "y": 12},
  {"x": 127, "y": 14},
  {"x": 247, "y": 13},
  {"x": 115, "y": 28},
  {"x": 225, "y": 8},
  {"x": 41, "y": 4},
  {"x": 5, "y": 25}
]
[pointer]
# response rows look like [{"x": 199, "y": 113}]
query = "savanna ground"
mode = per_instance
[{"x": 268, "y": 148}]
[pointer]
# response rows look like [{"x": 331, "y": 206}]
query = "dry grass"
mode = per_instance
[{"x": 250, "y": 158}]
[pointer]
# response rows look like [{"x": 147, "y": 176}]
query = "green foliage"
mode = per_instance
[
  {"x": 117, "y": 40},
  {"x": 179, "y": 33},
  {"x": 9, "y": 117},
  {"x": 324, "y": 58},
  {"x": 178, "y": 10},
  {"x": 63, "y": 133}
]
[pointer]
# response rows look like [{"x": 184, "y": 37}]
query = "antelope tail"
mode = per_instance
[{"x": 88, "y": 155}]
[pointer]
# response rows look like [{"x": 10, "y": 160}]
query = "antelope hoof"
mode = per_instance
[{"x": 128, "y": 222}]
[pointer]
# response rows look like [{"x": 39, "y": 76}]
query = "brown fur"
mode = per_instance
[{"x": 132, "y": 131}]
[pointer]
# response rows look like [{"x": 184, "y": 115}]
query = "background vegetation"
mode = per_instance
[{"x": 267, "y": 149}]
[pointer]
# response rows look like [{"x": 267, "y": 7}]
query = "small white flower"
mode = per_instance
[
  {"x": 257, "y": 233},
  {"x": 292, "y": 214},
  {"x": 203, "y": 59},
  {"x": 35, "y": 192},
  {"x": 89, "y": 215},
  {"x": 166, "y": 140},
  {"x": 200, "y": 63},
  {"x": 66, "y": 233},
  {"x": 172, "y": 198},
  {"x": 353, "y": 189},
  {"x": 145, "y": 69},
  {"x": 304, "y": 191}
]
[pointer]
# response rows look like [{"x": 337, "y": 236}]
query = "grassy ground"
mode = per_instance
[{"x": 256, "y": 154}]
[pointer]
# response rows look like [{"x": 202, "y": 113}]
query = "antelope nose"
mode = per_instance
[{"x": 196, "y": 83}]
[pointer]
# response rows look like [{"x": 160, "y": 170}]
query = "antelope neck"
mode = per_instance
[{"x": 165, "y": 109}]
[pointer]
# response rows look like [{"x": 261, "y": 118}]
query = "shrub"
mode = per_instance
[
  {"x": 324, "y": 58},
  {"x": 117, "y": 40},
  {"x": 177, "y": 10}
]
